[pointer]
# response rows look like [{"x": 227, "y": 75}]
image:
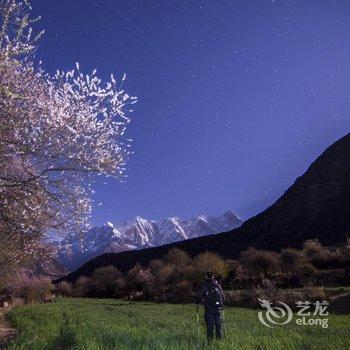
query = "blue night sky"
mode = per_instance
[{"x": 236, "y": 98}]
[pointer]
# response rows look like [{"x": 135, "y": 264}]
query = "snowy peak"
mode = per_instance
[
  {"x": 109, "y": 224},
  {"x": 139, "y": 233}
]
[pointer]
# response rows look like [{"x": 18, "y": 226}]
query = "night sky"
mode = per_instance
[{"x": 236, "y": 98}]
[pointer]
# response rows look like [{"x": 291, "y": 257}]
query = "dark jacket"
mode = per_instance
[{"x": 202, "y": 295}]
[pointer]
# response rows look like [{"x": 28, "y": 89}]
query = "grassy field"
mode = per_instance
[{"x": 114, "y": 324}]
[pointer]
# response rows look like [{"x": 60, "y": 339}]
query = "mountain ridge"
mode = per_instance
[
  {"x": 316, "y": 206},
  {"x": 139, "y": 233}
]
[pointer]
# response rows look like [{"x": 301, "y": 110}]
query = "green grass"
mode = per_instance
[{"x": 114, "y": 324}]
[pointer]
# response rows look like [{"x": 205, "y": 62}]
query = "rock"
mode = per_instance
[{"x": 6, "y": 300}]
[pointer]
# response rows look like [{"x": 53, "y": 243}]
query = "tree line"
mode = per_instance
[{"x": 177, "y": 277}]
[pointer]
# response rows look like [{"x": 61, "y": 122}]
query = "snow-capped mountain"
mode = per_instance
[{"x": 139, "y": 233}]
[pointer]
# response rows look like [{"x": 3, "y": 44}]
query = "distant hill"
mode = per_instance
[
  {"x": 317, "y": 205},
  {"x": 75, "y": 250}
]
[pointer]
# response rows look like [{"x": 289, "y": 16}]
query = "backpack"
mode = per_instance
[{"x": 213, "y": 297}]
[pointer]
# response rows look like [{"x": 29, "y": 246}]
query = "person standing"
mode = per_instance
[{"x": 212, "y": 296}]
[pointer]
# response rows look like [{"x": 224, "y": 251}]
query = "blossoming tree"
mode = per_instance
[{"x": 56, "y": 133}]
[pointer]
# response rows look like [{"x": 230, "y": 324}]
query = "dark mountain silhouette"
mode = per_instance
[{"x": 317, "y": 205}]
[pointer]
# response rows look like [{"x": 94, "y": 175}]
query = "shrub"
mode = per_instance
[
  {"x": 182, "y": 292},
  {"x": 179, "y": 262},
  {"x": 64, "y": 289},
  {"x": 260, "y": 263},
  {"x": 177, "y": 258},
  {"x": 310, "y": 243},
  {"x": 267, "y": 289},
  {"x": 165, "y": 275},
  {"x": 232, "y": 297},
  {"x": 333, "y": 278},
  {"x": 290, "y": 258},
  {"x": 104, "y": 281},
  {"x": 343, "y": 254},
  {"x": 313, "y": 294},
  {"x": 317, "y": 255},
  {"x": 82, "y": 287},
  {"x": 305, "y": 274},
  {"x": 33, "y": 289},
  {"x": 155, "y": 267},
  {"x": 161, "y": 281},
  {"x": 242, "y": 298},
  {"x": 234, "y": 273},
  {"x": 139, "y": 278},
  {"x": 205, "y": 262}
]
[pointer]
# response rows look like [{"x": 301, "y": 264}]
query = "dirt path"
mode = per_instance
[{"x": 6, "y": 331}]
